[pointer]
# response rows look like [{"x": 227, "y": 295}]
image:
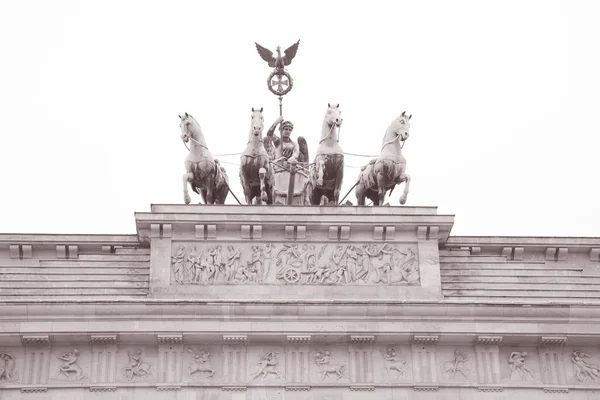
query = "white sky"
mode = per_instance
[{"x": 504, "y": 96}]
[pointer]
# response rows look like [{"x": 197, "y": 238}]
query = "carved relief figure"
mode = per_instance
[
  {"x": 70, "y": 368},
  {"x": 584, "y": 371},
  {"x": 267, "y": 251},
  {"x": 390, "y": 363},
  {"x": 267, "y": 364},
  {"x": 177, "y": 264},
  {"x": 233, "y": 262},
  {"x": 200, "y": 363},
  {"x": 323, "y": 361},
  {"x": 517, "y": 363},
  {"x": 7, "y": 367},
  {"x": 192, "y": 270},
  {"x": 137, "y": 366},
  {"x": 347, "y": 264},
  {"x": 457, "y": 365}
]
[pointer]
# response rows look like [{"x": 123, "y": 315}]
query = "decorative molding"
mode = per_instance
[
  {"x": 490, "y": 389},
  {"x": 489, "y": 340},
  {"x": 103, "y": 339},
  {"x": 425, "y": 339},
  {"x": 168, "y": 388},
  {"x": 553, "y": 340},
  {"x": 426, "y": 388},
  {"x": 362, "y": 388},
  {"x": 299, "y": 338},
  {"x": 233, "y": 388},
  {"x": 556, "y": 390},
  {"x": 35, "y": 340},
  {"x": 103, "y": 388},
  {"x": 170, "y": 339},
  {"x": 297, "y": 388},
  {"x": 518, "y": 253},
  {"x": 235, "y": 338},
  {"x": 356, "y": 339},
  {"x": 34, "y": 389},
  {"x": 475, "y": 250},
  {"x": 595, "y": 255}
]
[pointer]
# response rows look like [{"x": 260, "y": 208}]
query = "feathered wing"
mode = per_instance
[
  {"x": 266, "y": 55},
  {"x": 290, "y": 53},
  {"x": 303, "y": 149}
]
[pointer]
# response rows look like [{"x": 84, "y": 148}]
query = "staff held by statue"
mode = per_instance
[{"x": 280, "y": 83}]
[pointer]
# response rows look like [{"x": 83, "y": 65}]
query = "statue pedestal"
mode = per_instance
[{"x": 294, "y": 253}]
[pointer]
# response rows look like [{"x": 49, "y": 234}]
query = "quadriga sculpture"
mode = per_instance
[
  {"x": 388, "y": 170},
  {"x": 203, "y": 172},
  {"x": 256, "y": 172},
  {"x": 327, "y": 174}
]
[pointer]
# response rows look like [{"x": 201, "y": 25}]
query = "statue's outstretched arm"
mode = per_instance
[{"x": 271, "y": 131}]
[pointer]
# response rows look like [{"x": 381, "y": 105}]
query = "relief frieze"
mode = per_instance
[
  {"x": 201, "y": 364},
  {"x": 295, "y": 264},
  {"x": 8, "y": 367}
]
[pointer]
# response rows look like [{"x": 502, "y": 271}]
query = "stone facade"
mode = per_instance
[{"x": 273, "y": 302}]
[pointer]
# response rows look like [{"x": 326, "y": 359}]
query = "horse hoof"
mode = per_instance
[
  {"x": 402, "y": 199},
  {"x": 187, "y": 199}
]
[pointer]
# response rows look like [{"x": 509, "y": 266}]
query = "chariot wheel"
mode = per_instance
[{"x": 291, "y": 275}]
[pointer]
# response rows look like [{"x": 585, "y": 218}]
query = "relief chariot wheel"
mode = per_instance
[{"x": 291, "y": 275}]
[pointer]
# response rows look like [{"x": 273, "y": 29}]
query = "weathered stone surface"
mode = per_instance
[{"x": 483, "y": 317}]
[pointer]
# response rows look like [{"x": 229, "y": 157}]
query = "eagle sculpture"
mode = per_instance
[{"x": 278, "y": 62}]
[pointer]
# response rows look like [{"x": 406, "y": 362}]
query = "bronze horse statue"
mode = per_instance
[
  {"x": 388, "y": 170},
  {"x": 256, "y": 171},
  {"x": 204, "y": 174},
  {"x": 328, "y": 172}
]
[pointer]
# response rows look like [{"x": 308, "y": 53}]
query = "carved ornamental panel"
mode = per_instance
[{"x": 294, "y": 264}]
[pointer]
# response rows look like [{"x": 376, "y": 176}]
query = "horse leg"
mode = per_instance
[
  {"x": 339, "y": 177},
  {"x": 405, "y": 178},
  {"x": 187, "y": 177},
  {"x": 380, "y": 187},
  {"x": 247, "y": 189},
  {"x": 320, "y": 171},
  {"x": 262, "y": 174},
  {"x": 324, "y": 200},
  {"x": 210, "y": 187},
  {"x": 360, "y": 194}
]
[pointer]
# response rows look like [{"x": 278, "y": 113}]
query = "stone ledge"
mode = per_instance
[
  {"x": 556, "y": 390},
  {"x": 426, "y": 339},
  {"x": 297, "y": 388},
  {"x": 168, "y": 388},
  {"x": 553, "y": 340},
  {"x": 35, "y": 340},
  {"x": 299, "y": 338},
  {"x": 103, "y": 388},
  {"x": 362, "y": 388},
  {"x": 490, "y": 389},
  {"x": 103, "y": 339},
  {"x": 34, "y": 390},
  {"x": 233, "y": 388},
  {"x": 426, "y": 388},
  {"x": 235, "y": 338},
  {"x": 170, "y": 339},
  {"x": 489, "y": 340},
  {"x": 357, "y": 339}
]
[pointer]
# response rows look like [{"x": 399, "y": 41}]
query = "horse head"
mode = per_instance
[
  {"x": 186, "y": 125},
  {"x": 257, "y": 124},
  {"x": 333, "y": 116},
  {"x": 398, "y": 129}
]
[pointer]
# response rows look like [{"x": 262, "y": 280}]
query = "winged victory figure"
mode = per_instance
[{"x": 278, "y": 62}]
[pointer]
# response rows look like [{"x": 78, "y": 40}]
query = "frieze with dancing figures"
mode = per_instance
[{"x": 295, "y": 264}]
